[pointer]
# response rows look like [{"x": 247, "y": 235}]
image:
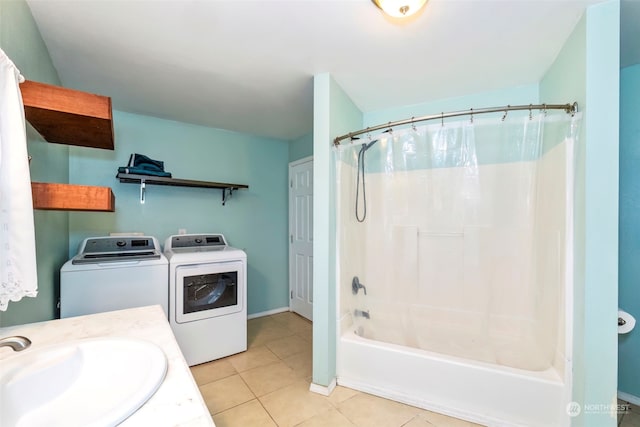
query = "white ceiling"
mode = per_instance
[{"x": 247, "y": 65}]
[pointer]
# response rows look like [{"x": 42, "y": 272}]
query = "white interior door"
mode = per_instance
[{"x": 301, "y": 237}]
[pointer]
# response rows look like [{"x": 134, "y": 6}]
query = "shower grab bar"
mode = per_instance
[{"x": 568, "y": 108}]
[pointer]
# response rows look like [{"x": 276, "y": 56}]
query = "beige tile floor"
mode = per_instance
[
  {"x": 268, "y": 385},
  {"x": 629, "y": 417}
]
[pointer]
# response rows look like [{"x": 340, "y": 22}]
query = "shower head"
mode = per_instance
[{"x": 365, "y": 147}]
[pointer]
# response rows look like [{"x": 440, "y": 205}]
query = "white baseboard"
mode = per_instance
[
  {"x": 320, "y": 389},
  {"x": 629, "y": 398},
  {"x": 268, "y": 312}
]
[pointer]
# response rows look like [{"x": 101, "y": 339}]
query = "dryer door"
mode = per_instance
[{"x": 208, "y": 290}]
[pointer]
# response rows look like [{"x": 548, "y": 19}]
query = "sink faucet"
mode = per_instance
[{"x": 17, "y": 343}]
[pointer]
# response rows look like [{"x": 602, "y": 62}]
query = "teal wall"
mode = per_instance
[
  {"x": 21, "y": 41},
  {"x": 333, "y": 114},
  {"x": 601, "y": 207},
  {"x": 587, "y": 70},
  {"x": 629, "y": 262},
  {"x": 254, "y": 219},
  {"x": 301, "y": 147}
]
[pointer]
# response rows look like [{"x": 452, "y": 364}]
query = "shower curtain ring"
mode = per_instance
[
  {"x": 530, "y": 112},
  {"x": 413, "y": 125},
  {"x": 544, "y": 109},
  {"x": 471, "y": 115},
  {"x": 442, "y": 119},
  {"x": 504, "y": 116}
]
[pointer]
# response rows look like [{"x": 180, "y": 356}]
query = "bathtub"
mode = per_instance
[
  {"x": 463, "y": 302},
  {"x": 480, "y": 392}
]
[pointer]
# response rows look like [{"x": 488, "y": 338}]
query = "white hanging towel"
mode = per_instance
[{"x": 18, "y": 274}]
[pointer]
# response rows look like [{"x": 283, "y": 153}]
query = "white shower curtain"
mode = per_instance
[
  {"x": 463, "y": 247},
  {"x": 18, "y": 276}
]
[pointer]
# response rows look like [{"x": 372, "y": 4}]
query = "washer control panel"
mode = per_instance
[
  {"x": 106, "y": 249},
  {"x": 118, "y": 244}
]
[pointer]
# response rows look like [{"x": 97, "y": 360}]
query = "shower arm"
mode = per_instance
[{"x": 568, "y": 108}]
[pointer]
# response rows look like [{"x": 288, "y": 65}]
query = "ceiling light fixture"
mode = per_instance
[{"x": 400, "y": 8}]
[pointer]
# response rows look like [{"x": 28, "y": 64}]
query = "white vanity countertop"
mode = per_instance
[{"x": 177, "y": 402}]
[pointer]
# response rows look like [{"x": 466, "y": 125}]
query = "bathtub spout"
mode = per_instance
[
  {"x": 356, "y": 285},
  {"x": 362, "y": 313}
]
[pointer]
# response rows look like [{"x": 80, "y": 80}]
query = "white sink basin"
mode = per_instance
[{"x": 91, "y": 382}]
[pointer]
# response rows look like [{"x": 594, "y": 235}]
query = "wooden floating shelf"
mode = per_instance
[
  {"x": 72, "y": 117},
  {"x": 69, "y": 197},
  {"x": 67, "y": 116},
  {"x": 176, "y": 182},
  {"x": 158, "y": 180}
]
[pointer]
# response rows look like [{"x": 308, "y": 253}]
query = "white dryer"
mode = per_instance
[
  {"x": 207, "y": 296},
  {"x": 114, "y": 273}
]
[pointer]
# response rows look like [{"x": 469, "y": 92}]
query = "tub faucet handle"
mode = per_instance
[{"x": 356, "y": 286}]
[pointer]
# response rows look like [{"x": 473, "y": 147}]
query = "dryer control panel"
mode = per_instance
[{"x": 197, "y": 240}]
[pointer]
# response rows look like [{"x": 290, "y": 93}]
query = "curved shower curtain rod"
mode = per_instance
[{"x": 568, "y": 108}]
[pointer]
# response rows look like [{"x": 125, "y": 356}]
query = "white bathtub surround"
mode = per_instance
[
  {"x": 18, "y": 274},
  {"x": 177, "y": 402},
  {"x": 466, "y": 256}
]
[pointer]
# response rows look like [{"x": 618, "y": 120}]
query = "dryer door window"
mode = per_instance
[{"x": 208, "y": 290}]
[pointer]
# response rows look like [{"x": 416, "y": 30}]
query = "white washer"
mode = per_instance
[
  {"x": 114, "y": 273},
  {"x": 207, "y": 296}
]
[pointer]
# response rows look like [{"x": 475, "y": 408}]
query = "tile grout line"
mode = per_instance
[
  {"x": 239, "y": 404},
  {"x": 281, "y": 360},
  {"x": 294, "y": 334},
  {"x": 267, "y": 411}
]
